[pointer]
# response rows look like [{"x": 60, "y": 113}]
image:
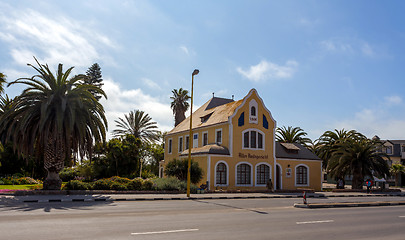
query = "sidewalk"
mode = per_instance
[{"x": 207, "y": 196}]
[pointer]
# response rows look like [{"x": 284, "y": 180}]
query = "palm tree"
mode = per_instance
[
  {"x": 55, "y": 117},
  {"x": 397, "y": 170},
  {"x": 2, "y": 82},
  {"x": 179, "y": 105},
  {"x": 138, "y": 124},
  {"x": 359, "y": 158},
  {"x": 292, "y": 135},
  {"x": 330, "y": 140}
]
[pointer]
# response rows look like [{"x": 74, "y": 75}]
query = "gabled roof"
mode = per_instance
[
  {"x": 294, "y": 151},
  {"x": 215, "y": 111}
]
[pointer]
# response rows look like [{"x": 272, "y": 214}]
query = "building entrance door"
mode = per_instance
[{"x": 278, "y": 177}]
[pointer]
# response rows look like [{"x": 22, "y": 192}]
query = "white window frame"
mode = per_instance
[
  {"x": 257, "y": 139},
  {"x": 253, "y": 119},
  {"x": 180, "y": 145},
  {"x": 257, "y": 165},
  {"x": 202, "y": 138},
  {"x": 295, "y": 176},
  {"x": 227, "y": 175},
  {"x": 391, "y": 149},
  {"x": 251, "y": 175},
  {"x": 216, "y": 135},
  {"x": 169, "y": 146},
  {"x": 185, "y": 142},
  {"x": 195, "y": 140}
]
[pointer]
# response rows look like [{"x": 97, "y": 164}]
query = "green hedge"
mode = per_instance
[
  {"x": 113, "y": 183},
  {"x": 18, "y": 181},
  {"x": 137, "y": 184},
  {"x": 172, "y": 184}
]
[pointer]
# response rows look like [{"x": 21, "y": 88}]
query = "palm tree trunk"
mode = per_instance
[
  {"x": 357, "y": 182},
  {"x": 53, "y": 162}
]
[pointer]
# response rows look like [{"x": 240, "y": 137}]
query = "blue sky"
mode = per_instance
[{"x": 319, "y": 65}]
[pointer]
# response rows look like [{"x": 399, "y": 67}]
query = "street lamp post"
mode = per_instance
[{"x": 190, "y": 138}]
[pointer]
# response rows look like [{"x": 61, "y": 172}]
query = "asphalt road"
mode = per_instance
[{"x": 200, "y": 219}]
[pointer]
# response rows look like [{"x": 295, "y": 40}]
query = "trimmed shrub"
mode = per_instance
[
  {"x": 135, "y": 184},
  {"x": 118, "y": 186},
  {"x": 172, "y": 184},
  {"x": 147, "y": 185},
  {"x": 19, "y": 181},
  {"x": 102, "y": 184},
  {"x": 67, "y": 174},
  {"x": 77, "y": 185},
  {"x": 120, "y": 179}
]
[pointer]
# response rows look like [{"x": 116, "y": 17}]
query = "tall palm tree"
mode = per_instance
[
  {"x": 292, "y": 135},
  {"x": 358, "y": 158},
  {"x": 330, "y": 140},
  {"x": 397, "y": 170},
  {"x": 179, "y": 105},
  {"x": 55, "y": 117},
  {"x": 2, "y": 82},
  {"x": 139, "y": 124}
]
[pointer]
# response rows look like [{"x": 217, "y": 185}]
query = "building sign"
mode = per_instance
[
  {"x": 253, "y": 120},
  {"x": 288, "y": 172},
  {"x": 253, "y": 156}
]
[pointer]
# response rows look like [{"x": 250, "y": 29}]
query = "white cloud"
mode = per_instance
[
  {"x": 151, "y": 84},
  {"x": 121, "y": 102},
  {"x": 268, "y": 70},
  {"x": 351, "y": 46},
  {"x": 367, "y": 50},
  {"x": 53, "y": 40},
  {"x": 377, "y": 120},
  {"x": 185, "y": 50},
  {"x": 393, "y": 100},
  {"x": 336, "y": 46},
  {"x": 308, "y": 22}
]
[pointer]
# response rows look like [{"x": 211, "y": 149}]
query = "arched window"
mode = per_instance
[
  {"x": 262, "y": 174},
  {"x": 253, "y": 111},
  {"x": 253, "y": 139},
  {"x": 243, "y": 174},
  {"x": 301, "y": 175},
  {"x": 221, "y": 172}
]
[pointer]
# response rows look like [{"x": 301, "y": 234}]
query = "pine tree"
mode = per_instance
[{"x": 94, "y": 78}]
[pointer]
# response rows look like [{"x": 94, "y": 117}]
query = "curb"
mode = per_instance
[
  {"x": 345, "y": 205},
  {"x": 106, "y": 199}
]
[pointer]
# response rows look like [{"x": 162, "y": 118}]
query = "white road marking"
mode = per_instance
[
  {"x": 169, "y": 231},
  {"x": 402, "y": 216},
  {"x": 310, "y": 222}
]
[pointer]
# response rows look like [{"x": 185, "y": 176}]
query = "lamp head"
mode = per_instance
[{"x": 195, "y": 72}]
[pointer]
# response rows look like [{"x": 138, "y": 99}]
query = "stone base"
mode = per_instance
[{"x": 52, "y": 184}]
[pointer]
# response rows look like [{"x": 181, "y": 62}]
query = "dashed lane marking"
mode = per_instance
[
  {"x": 312, "y": 222},
  {"x": 162, "y": 232}
]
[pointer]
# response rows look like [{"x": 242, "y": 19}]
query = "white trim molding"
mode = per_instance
[
  {"x": 257, "y": 139},
  {"x": 267, "y": 164},
  {"x": 295, "y": 175},
  {"x": 227, "y": 174},
  {"x": 251, "y": 175}
]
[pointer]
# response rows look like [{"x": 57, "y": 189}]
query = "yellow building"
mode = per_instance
[{"x": 234, "y": 143}]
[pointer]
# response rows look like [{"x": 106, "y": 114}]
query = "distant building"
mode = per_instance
[
  {"x": 395, "y": 149},
  {"x": 234, "y": 143}
]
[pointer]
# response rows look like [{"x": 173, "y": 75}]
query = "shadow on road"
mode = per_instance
[
  {"x": 17, "y": 204},
  {"x": 230, "y": 206}
]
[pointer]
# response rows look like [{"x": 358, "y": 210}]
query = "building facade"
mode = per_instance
[
  {"x": 234, "y": 144},
  {"x": 395, "y": 149}
]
